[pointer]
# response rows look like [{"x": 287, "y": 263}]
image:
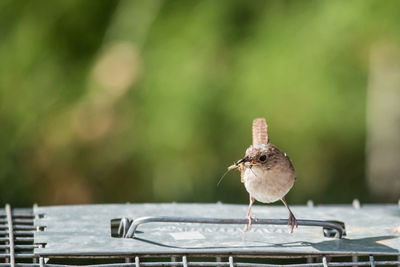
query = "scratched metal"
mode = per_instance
[{"x": 85, "y": 231}]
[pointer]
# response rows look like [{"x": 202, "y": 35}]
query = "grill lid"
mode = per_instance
[{"x": 86, "y": 231}]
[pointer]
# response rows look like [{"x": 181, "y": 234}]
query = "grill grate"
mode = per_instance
[
  {"x": 18, "y": 245},
  {"x": 16, "y": 237}
]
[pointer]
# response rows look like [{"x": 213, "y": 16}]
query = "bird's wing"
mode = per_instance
[{"x": 242, "y": 170}]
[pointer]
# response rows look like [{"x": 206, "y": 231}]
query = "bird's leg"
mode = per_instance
[
  {"x": 292, "y": 222},
  {"x": 248, "y": 215}
]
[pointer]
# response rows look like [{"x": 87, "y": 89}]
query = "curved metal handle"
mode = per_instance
[{"x": 328, "y": 226}]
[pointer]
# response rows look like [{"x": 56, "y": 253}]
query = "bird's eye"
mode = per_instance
[{"x": 263, "y": 158}]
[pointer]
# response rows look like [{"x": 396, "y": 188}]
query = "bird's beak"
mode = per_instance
[{"x": 243, "y": 160}]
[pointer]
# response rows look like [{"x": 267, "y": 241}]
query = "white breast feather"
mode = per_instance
[{"x": 267, "y": 185}]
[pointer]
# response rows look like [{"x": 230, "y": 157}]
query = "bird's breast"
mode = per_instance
[{"x": 268, "y": 185}]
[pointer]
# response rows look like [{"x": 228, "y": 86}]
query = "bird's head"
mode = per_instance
[{"x": 255, "y": 155}]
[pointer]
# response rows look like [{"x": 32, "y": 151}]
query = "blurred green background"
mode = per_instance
[{"x": 150, "y": 101}]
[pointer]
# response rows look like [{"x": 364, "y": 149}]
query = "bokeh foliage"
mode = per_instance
[{"x": 143, "y": 101}]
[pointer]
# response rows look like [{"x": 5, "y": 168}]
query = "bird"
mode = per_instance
[{"x": 266, "y": 172}]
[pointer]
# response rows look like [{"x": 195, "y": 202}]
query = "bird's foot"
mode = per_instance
[
  {"x": 292, "y": 222},
  {"x": 248, "y": 226}
]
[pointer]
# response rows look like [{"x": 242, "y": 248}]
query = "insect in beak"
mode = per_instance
[
  {"x": 236, "y": 165},
  {"x": 233, "y": 167},
  {"x": 245, "y": 159}
]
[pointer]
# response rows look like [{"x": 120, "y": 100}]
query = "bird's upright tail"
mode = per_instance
[{"x": 260, "y": 132}]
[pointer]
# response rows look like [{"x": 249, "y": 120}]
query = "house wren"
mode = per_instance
[{"x": 267, "y": 173}]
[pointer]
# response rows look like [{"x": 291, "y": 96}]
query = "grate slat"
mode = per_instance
[
  {"x": 184, "y": 261},
  {"x": 372, "y": 261},
  {"x": 137, "y": 263},
  {"x": 231, "y": 261},
  {"x": 10, "y": 235}
]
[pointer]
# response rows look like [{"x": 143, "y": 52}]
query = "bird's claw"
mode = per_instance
[
  {"x": 292, "y": 222},
  {"x": 248, "y": 226}
]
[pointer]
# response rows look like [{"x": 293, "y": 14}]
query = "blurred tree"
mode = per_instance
[
  {"x": 383, "y": 115},
  {"x": 152, "y": 100}
]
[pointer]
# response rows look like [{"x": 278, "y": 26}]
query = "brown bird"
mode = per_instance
[{"x": 267, "y": 173}]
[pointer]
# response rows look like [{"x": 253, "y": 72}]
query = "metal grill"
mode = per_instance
[
  {"x": 81, "y": 236},
  {"x": 16, "y": 237}
]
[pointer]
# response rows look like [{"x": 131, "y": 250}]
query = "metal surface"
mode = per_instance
[
  {"x": 135, "y": 224},
  {"x": 86, "y": 231},
  {"x": 372, "y": 236}
]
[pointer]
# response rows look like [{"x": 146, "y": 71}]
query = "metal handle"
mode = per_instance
[{"x": 328, "y": 226}]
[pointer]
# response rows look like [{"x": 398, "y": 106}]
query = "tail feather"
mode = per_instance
[{"x": 260, "y": 132}]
